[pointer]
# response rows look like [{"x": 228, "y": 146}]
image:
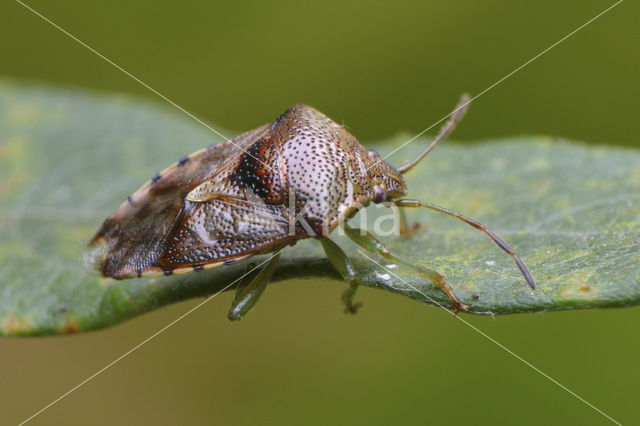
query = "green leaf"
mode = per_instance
[{"x": 68, "y": 158}]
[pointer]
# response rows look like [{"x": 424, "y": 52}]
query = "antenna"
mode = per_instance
[{"x": 456, "y": 116}]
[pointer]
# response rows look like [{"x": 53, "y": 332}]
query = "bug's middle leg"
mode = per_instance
[
  {"x": 247, "y": 295},
  {"x": 345, "y": 268},
  {"x": 367, "y": 241},
  {"x": 407, "y": 230}
]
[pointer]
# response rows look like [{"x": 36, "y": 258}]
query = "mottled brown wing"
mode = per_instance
[
  {"x": 225, "y": 230},
  {"x": 156, "y": 219}
]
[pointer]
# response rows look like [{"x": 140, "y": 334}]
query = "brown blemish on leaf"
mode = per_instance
[
  {"x": 70, "y": 326},
  {"x": 575, "y": 287}
]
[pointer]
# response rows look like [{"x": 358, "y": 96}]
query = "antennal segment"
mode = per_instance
[{"x": 456, "y": 116}]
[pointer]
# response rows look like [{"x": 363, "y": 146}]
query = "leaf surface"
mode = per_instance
[{"x": 69, "y": 158}]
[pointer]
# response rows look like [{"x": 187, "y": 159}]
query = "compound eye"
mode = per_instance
[{"x": 379, "y": 195}]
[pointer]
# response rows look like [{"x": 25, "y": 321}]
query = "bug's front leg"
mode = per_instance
[
  {"x": 367, "y": 241},
  {"x": 342, "y": 263},
  {"x": 479, "y": 226},
  {"x": 248, "y": 294}
]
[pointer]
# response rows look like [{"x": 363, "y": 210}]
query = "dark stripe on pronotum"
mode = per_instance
[
  {"x": 198, "y": 268},
  {"x": 167, "y": 272},
  {"x": 155, "y": 179},
  {"x": 229, "y": 261},
  {"x": 183, "y": 161},
  {"x": 130, "y": 200}
]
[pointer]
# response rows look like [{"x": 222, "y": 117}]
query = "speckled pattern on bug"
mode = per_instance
[{"x": 298, "y": 177}]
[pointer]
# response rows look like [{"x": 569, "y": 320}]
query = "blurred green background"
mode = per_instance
[{"x": 380, "y": 68}]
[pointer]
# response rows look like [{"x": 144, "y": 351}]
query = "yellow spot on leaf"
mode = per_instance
[
  {"x": 23, "y": 114},
  {"x": 14, "y": 325},
  {"x": 14, "y": 174}
]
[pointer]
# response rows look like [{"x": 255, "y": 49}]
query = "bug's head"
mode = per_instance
[{"x": 386, "y": 182}]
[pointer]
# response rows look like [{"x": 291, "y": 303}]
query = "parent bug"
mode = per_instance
[{"x": 298, "y": 177}]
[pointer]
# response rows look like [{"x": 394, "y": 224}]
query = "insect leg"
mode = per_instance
[
  {"x": 499, "y": 241},
  {"x": 248, "y": 295},
  {"x": 245, "y": 281},
  {"x": 404, "y": 227},
  {"x": 407, "y": 230},
  {"x": 341, "y": 262},
  {"x": 367, "y": 241}
]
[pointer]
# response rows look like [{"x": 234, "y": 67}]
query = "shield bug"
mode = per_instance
[{"x": 299, "y": 177}]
